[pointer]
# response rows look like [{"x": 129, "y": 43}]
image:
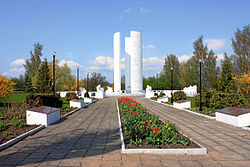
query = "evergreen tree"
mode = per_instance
[
  {"x": 43, "y": 80},
  {"x": 211, "y": 71},
  {"x": 32, "y": 65},
  {"x": 226, "y": 81},
  {"x": 241, "y": 46}
]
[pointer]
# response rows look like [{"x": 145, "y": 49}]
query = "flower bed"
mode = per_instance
[
  {"x": 205, "y": 111},
  {"x": 144, "y": 130},
  {"x": 13, "y": 122}
]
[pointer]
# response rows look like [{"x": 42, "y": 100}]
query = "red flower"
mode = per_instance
[
  {"x": 147, "y": 129},
  {"x": 136, "y": 135},
  {"x": 135, "y": 131},
  {"x": 145, "y": 123}
]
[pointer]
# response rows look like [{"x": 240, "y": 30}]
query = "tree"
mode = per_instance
[
  {"x": 65, "y": 81},
  {"x": 171, "y": 61},
  {"x": 241, "y": 46},
  {"x": 123, "y": 82},
  {"x": 20, "y": 81},
  {"x": 43, "y": 81},
  {"x": 6, "y": 86},
  {"x": 210, "y": 71},
  {"x": 33, "y": 64},
  {"x": 226, "y": 82},
  {"x": 243, "y": 85},
  {"x": 97, "y": 79}
]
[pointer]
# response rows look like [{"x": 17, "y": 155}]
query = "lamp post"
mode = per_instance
[
  {"x": 87, "y": 82},
  {"x": 157, "y": 77},
  {"x": 171, "y": 85},
  {"x": 77, "y": 81},
  {"x": 200, "y": 109},
  {"x": 54, "y": 76}
]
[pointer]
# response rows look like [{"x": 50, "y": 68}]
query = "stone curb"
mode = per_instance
[
  {"x": 20, "y": 137},
  {"x": 203, "y": 115},
  {"x": 71, "y": 112},
  {"x": 188, "y": 151},
  {"x": 245, "y": 128}
]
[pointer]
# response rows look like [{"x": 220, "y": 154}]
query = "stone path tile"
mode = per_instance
[{"x": 90, "y": 137}]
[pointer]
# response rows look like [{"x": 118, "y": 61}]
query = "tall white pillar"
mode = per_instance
[
  {"x": 127, "y": 65},
  {"x": 117, "y": 67},
  {"x": 136, "y": 62}
]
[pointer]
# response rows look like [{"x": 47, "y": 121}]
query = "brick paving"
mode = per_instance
[{"x": 90, "y": 137}]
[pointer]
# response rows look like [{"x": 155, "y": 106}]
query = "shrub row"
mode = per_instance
[
  {"x": 71, "y": 96},
  {"x": 218, "y": 100},
  {"x": 139, "y": 125},
  {"x": 36, "y": 100}
]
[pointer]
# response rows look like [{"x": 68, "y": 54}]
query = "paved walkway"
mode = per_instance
[{"x": 90, "y": 137}]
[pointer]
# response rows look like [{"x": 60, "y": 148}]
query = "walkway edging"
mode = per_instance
[
  {"x": 20, "y": 137},
  {"x": 189, "y": 151},
  {"x": 203, "y": 115}
]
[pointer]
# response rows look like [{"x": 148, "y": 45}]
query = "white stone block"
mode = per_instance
[
  {"x": 182, "y": 104},
  {"x": 162, "y": 99},
  {"x": 117, "y": 67},
  {"x": 234, "y": 116},
  {"x": 42, "y": 115},
  {"x": 77, "y": 103},
  {"x": 88, "y": 100}
]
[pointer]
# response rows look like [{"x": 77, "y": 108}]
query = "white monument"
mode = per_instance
[
  {"x": 99, "y": 94},
  {"x": 117, "y": 68},
  {"x": 133, "y": 63},
  {"x": 149, "y": 92}
]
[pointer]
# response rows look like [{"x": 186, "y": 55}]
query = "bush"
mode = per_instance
[
  {"x": 36, "y": 100},
  {"x": 179, "y": 95},
  {"x": 3, "y": 126},
  {"x": 205, "y": 99},
  {"x": 16, "y": 123},
  {"x": 222, "y": 100},
  {"x": 71, "y": 96}
]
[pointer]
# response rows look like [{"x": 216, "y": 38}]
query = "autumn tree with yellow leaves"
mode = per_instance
[
  {"x": 243, "y": 85},
  {"x": 6, "y": 86}
]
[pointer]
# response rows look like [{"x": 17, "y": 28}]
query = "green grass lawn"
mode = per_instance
[{"x": 14, "y": 98}]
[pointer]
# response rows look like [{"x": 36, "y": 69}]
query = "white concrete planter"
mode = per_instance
[
  {"x": 77, "y": 103},
  {"x": 234, "y": 116},
  {"x": 162, "y": 99},
  {"x": 42, "y": 115},
  {"x": 88, "y": 100},
  {"x": 182, "y": 104}
]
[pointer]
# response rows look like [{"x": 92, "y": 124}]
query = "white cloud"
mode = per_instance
[
  {"x": 17, "y": 70},
  {"x": 92, "y": 68},
  {"x": 220, "y": 57},
  {"x": 150, "y": 47},
  {"x": 184, "y": 58},
  {"x": 71, "y": 64},
  {"x": 18, "y": 62},
  {"x": 136, "y": 9},
  {"x": 127, "y": 10},
  {"x": 215, "y": 44},
  {"x": 105, "y": 62},
  {"x": 153, "y": 63}
]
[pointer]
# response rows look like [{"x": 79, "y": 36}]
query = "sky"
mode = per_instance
[{"x": 81, "y": 31}]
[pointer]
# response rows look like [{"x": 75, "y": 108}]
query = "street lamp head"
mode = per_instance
[
  {"x": 171, "y": 68},
  {"x": 200, "y": 60},
  {"x": 54, "y": 53}
]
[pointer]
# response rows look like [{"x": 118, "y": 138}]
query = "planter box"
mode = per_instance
[
  {"x": 77, "y": 103},
  {"x": 234, "y": 116},
  {"x": 182, "y": 104},
  {"x": 88, "y": 100},
  {"x": 162, "y": 99},
  {"x": 42, "y": 115}
]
